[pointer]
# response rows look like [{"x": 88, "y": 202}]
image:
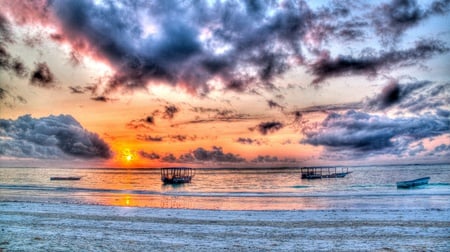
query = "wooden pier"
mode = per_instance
[
  {"x": 323, "y": 172},
  {"x": 177, "y": 175}
]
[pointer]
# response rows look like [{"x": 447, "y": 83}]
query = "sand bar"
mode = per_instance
[{"x": 68, "y": 227}]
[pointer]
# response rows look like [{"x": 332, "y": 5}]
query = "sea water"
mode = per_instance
[{"x": 367, "y": 187}]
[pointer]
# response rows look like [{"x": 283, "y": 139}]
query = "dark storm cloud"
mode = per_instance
[
  {"x": 268, "y": 127},
  {"x": 242, "y": 44},
  {"x": 52, "y": 137},
  {"x": 177, "y": 52},
  {"x": 371, "y": 64},
  {"x": 393, "y": 18},
  {"x": 413, "y": 97},
  {"x": 362, "y": 134},
  {"x": 41, "y": 76}
]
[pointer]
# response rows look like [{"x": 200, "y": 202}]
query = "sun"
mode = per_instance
[{"x": 128, "y": 155}]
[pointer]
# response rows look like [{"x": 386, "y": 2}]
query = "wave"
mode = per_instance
[{"x": 234, "y": 194}]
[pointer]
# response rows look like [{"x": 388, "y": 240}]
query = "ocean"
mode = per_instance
[{"x": 367, "y": 187}]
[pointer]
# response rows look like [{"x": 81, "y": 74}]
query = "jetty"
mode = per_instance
[
  {"x": 177, "y": 175},
  {"x": 323, "y": 172}
]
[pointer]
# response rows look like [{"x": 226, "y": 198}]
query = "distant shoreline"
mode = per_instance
[{"x": 224, "y": 167}]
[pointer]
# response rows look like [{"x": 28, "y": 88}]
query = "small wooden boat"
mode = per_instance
[
  {"x": 413, "y": 183},
  {"x": 65, "y": 178},
  {"x": 323, "y": 172}
]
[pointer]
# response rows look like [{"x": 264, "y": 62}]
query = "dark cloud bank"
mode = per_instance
[
  {"x": 360, "y": 134},
  {"x": 199, "y": 155},
  {"x": 52, "y": 137},
  {"x": 240, "y": 43}
]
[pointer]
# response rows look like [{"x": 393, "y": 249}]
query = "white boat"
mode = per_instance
[{"x": 413, "y": 183}]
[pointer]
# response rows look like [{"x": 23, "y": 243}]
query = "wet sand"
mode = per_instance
[{"x": 68, "y": 227}]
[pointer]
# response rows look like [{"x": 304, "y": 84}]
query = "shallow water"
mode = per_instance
[{"x": 369, "y": 187}]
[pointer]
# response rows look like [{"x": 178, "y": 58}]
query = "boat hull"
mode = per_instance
[
  {"x": 65, "y": 178},
  {"x": 413, "y": 183},
  {"x": 177, "y": 180}
]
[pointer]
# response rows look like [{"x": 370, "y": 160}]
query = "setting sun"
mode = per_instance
[{"x": 127, "y": 155}]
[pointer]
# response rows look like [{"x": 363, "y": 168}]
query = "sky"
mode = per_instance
[{"x": 224, "y": 83}]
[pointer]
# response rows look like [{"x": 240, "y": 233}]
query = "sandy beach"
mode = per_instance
[{"x": 69, "y": 227}]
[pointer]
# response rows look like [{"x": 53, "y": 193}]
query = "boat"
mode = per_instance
[
  {"x": 323, "y": 172},
  {"x": 65, "y": 178},
  {"x": 178, "y": 175},
  {"x": 413, "y": 183}
]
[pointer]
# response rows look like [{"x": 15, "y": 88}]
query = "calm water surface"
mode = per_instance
[{"x": 369, "y": 187}]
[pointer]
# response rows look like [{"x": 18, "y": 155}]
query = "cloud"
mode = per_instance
[
  {"x": 249, "y": 141},
  {"x": 148, "y": 155},
  {"x": 261, "y": 159},
  {"x": 42, "y": 76},
  {"x": 370, "y": 64},
  {"x": 102, "y": 98},
  {"x": 211, "y": 115},
  {"x": 265, "y": 159},
  {"x": 201, "y": 155},
  {"x": 52, "y": 137},
  {"x": 149, "y": 138},
  {"x": 442, "y": 147},
  {"x": 8, "y": 99},
  {"x": 170, "y": 111},
  {"x": 268, "y": 127},
  {"x": 392, "y": 19},
  {"x": 172, "y": 138},
  {"x": 189, "y": 44},
  {"x": 360, "y": 134},
  {"x": 242, "y": 45},
  {"x": 77, "y": 90},
  {"x": 415, "y": 97},
  {"x": 10, "y": 64},
  {"x": 274, "y": 105},
  {"x": 216, "y": 154},
  {"x": 6, "y": 35}
]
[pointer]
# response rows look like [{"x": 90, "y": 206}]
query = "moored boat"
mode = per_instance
[
  {"x": 65, "y": 178},
  {"x": 177, "y": 175},
  {"x": 413, "y": 183},
  {"x": 323, "y": 172}
]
